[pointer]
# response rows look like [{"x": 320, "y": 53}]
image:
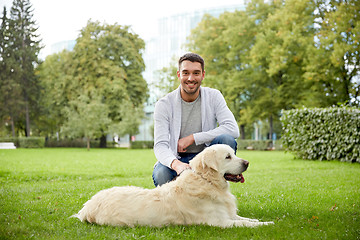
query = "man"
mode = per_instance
[{"x": 185, "y": 121}]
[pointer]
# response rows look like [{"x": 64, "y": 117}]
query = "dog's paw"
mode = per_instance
[
  {"x": 246, "y": 219},
  {"x": 267, "y": 223},
  {"x": 257, "y": 224}
]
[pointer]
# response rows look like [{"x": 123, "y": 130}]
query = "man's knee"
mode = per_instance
[
  {"x": 225, "y": 139},
  {"x": 162, "y": 174}
]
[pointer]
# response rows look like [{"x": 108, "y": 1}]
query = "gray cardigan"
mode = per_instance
[{"x": 167, "y": 122}]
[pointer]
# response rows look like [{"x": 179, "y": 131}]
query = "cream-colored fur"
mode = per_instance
[{"x": 197, "y": 196}]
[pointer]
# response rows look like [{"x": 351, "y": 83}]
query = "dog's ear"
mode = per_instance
[{"x": 209, "y": 159}]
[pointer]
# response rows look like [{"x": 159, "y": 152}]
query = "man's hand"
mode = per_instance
[
  {"x": 179, "y": 166},
  {"x": 183, "y": 143}
]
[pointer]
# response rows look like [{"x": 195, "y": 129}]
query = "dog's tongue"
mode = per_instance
[{"x": 234, "y": 178}]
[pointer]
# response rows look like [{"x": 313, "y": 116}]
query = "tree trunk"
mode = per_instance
[
  {"x": 12, "y": 126},
  {"x": 242, "y": 131},
  {"x": 27, "y": 116},
  {"x": 88, "y": 143},
  {"x": 103, "y": 141},
  {"x": 270, "y": 127},
  {"x": 271, "y": 131}
]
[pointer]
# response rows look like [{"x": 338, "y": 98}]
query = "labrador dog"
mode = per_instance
[{"x": 198, "y": 196}]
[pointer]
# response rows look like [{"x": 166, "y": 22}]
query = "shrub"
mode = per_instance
[
  {"x": 32, "y": 142},
  {"x": 25, "y": 142},
  {"x": 70, "y": 143},
  {"x": 323, "y": 134},
  {"x": 14, "y": 140},
  {"x": 142, "y": 144},
  {"x": 254, "y": 144}
]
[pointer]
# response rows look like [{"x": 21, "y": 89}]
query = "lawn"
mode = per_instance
[{"x": 41, "y": 188}]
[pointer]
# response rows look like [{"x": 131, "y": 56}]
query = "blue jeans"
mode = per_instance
[{"x": 162, "y": 174}]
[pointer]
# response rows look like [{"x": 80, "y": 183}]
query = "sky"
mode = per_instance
[{"x": 61, "y": 20}]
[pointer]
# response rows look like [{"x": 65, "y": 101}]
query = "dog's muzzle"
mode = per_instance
[{"x": 238, "y": 177}]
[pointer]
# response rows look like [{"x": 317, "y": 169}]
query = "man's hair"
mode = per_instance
[{"x": 192, "y": 57}]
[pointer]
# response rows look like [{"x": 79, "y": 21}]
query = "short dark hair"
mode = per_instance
[{"x": 192, "y": 57}]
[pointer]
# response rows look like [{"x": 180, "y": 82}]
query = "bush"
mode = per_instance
[
  {"x": 71, "y": 143},
  {"x": 14, "y": 140},
  {"x": 142, "y": 144},
  {"x": 26, "y": 142},
  {"x": 254, "y": 144},
  {"x": 323, "y": 134},
  {"x": 32, "y": 142}
]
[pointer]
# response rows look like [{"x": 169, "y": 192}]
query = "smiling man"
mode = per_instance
[{"x": 189, "y": 119}]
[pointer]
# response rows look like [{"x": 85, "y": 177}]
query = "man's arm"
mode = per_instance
[
  {"x": 185, "y": 142},
  {"x": 162, "y": 150},
  {"x": 179, "y": 166}
]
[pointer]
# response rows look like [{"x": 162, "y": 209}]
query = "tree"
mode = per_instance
[
  {"x": 55, "y": 77},
  {"x": 282, "y": 55},
  {"x": 277, "y": 59},
  {"x": 87, "y": 117},
  {"x": 10, "y": 88},
  {"x": 100, "y": 88},
  {"x": 25, "y": 46},
  {"x": 168, "y": 80},
  {"x": 334, "y": 62}
]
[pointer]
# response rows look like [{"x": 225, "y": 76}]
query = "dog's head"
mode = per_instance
[{"x": 220, "y": 159}]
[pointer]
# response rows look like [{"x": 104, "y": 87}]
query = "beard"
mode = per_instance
[{"x": 191, "y": 88}]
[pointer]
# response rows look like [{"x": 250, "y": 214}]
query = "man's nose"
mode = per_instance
[{"x": 191, "y": 77}]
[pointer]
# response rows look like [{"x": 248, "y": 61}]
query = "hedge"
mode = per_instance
[
  {"x": 26, "y": 142},
  {"x": 142, "y": 144},
  {"x": 70, "y": 143},
  {"x": 256, "y": 145},
  {"x": 323, "y": 133}
]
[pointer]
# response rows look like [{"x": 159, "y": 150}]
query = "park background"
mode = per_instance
[
  {"x": 289, "y": 71},
  {"x": 265, "y": 57}
]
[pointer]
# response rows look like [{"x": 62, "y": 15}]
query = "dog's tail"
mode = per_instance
[
  {"x": 76, "y": 216},
  {"x": 85, "y": 214}
]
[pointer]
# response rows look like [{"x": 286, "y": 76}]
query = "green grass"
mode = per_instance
[{"x": 41, "y": 188}]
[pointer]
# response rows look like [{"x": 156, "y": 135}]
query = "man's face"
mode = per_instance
[{"x": 190, "y": 76}]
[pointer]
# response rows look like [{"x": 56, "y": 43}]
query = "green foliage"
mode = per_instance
[
  {"x": 323, "y": 134},
  {"x": 55, "y": 78},
  {"x": 333, "y": 65},
  {"x": 14, "y": 140},
  {"x": 142, "y": 144},
  {"x": 97, "y": 88},
  {"x": 254, "y": 144},
  {"x": 307, "y": 200},
  {"x": 71, "y": 143},
  {"x": 19, "y": 49},
  {"x": 19, "y": 56},
  {"x": 26, "y": 142},
  {"x": 282, "y": 55},
  {"x": 168, "y": 80},
  {"x": 32, "y": 142}
]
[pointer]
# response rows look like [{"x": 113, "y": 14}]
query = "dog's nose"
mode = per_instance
[{"x": 246, "y": 164}]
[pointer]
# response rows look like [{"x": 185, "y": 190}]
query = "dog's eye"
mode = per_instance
[{"x": 228, "y": 156}]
